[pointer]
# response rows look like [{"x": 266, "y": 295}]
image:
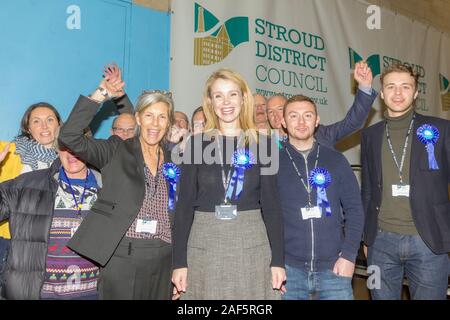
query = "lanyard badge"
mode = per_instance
[
  {"x": 233, "y": 182},
  {"x": 401, "y": 189}
]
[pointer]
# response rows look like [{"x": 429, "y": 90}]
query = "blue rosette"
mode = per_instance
[
  {"x": 429, "y": 135},
  {"x": 172, "y": 174},
  {"x": 320, "y": 179},
  {"x": 242, "y": 160}
]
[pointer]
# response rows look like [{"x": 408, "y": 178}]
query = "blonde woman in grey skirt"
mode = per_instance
[{"x": 228, "y": 229}]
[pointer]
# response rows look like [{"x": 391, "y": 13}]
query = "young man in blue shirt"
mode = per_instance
[{"x": 316, "y": 186}]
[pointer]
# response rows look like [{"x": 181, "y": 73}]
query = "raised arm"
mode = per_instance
[
  {"x": 113, "y": 75},
  {"x": 358, "y": 112},
  {"x": 95, "y": 151}
]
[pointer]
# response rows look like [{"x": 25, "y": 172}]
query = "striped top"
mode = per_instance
[{"x": 69, "y": 276}]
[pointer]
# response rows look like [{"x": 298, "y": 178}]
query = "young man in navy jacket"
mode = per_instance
[
  {"x": 405, "y": 177},
  {"x": 317, "y": 185}
]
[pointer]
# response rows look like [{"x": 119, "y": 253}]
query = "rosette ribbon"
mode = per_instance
[
  {"x": 429, "y": 135},
  {"x": 242, "y": 160},
  {"x": 172, "y": 174},
  {"x": 320, "y": 178}
]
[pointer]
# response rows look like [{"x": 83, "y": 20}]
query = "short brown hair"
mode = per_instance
[
  {"x": 399, "y": 67},
  {"x": 299, "y": 98}
]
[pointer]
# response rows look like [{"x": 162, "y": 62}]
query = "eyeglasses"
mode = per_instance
[
  {"x": 123, "y": 130},
  {"x": 163, "y": 92}
]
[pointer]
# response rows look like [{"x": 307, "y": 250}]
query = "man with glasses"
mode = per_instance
[{"x": 124, "y": 126}]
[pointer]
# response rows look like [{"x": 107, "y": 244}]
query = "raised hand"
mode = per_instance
[
  {"x": 3, "y": 153},
  {"x": 363, "y": 74},
  {"x": 113, "y": 81}
]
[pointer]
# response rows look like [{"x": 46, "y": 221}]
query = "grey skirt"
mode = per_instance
[{"x": 229, "y": 260}]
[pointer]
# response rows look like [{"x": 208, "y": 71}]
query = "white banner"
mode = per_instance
[{"x": 304, "y": 47}]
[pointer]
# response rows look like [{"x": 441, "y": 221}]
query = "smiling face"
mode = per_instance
[
  {"x": 154, "y": 123},
  {"x": 226, "y": 100},
  {"x": 398, "y": 93},
  {"x": 300, "y": 121},
  {"x": 43, "y": 126},
  {"x": 74, "y": 167}
]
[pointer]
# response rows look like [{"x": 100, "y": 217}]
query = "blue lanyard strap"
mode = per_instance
[{"x": 79, "y": 205}]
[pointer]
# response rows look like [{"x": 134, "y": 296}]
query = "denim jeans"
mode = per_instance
[
  {"x": 302, "y": 284},
  {"x": 399, "y": 255}
]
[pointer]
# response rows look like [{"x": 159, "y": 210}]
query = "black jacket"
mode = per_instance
[
  {"x": 429, "y": 198},
  {"x": 118, "y": 203},
  {"x": 28, "y": 202}
]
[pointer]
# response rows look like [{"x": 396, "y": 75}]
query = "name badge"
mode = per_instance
[
  {"x": 73, "y": 230},
  {"x": 226, "y": 212},
  {"x": 148, "y": 226},
  {"x": 400, "y": 190},
  {"x": 311, "y": 213}
]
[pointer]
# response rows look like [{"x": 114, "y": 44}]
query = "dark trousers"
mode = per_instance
[{"x": 138, "y": 270}]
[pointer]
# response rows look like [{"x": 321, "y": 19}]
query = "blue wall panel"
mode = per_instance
[{"x": 42, "y": 60}]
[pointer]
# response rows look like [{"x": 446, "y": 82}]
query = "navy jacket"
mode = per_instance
[
  {"x": 317, "y": 243},
  {"x": 429, "y": 198},
  {"x": 354, "y": 120}
]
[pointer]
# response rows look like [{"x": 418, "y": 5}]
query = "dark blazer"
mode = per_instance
[
  {"x": 429, "y": 198},
  {"x": 122, "y": 166}
]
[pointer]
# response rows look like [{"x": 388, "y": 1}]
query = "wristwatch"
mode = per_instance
[{"x": 103, "y": 91}]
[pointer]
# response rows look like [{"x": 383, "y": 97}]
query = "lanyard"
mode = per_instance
[
  {"x": 305, "y": 184},
  {"x": 78, "y": 206},
  {"x": 405, "y": 146},
  {"x": 226, "y": 178}
]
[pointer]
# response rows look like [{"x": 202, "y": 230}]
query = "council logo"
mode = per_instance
[
  {"x": 445, "y": 92},
  {"x": 373, "y": 61},
  {"x": 213, "y": 41}
]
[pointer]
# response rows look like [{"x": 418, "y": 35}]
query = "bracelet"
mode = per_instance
[{"x": 103, "y": 91}]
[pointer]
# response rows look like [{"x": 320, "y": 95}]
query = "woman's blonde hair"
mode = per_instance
[
  {"x": 246, "y": 120},
  {"x": 151, "y": 97}
]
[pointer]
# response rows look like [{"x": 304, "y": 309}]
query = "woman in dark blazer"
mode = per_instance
[{"x": 128, "y": 229}]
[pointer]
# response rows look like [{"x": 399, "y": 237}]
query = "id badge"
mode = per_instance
[
  {"x": 400, "y": 190},
  {"x": 226, "y": 212},
  {"x": 311, "y": 213},
  {"x": 148, "y": 226}
]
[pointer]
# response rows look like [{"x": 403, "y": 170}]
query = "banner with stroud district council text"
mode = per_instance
[{"x": 304, "y": 47}]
